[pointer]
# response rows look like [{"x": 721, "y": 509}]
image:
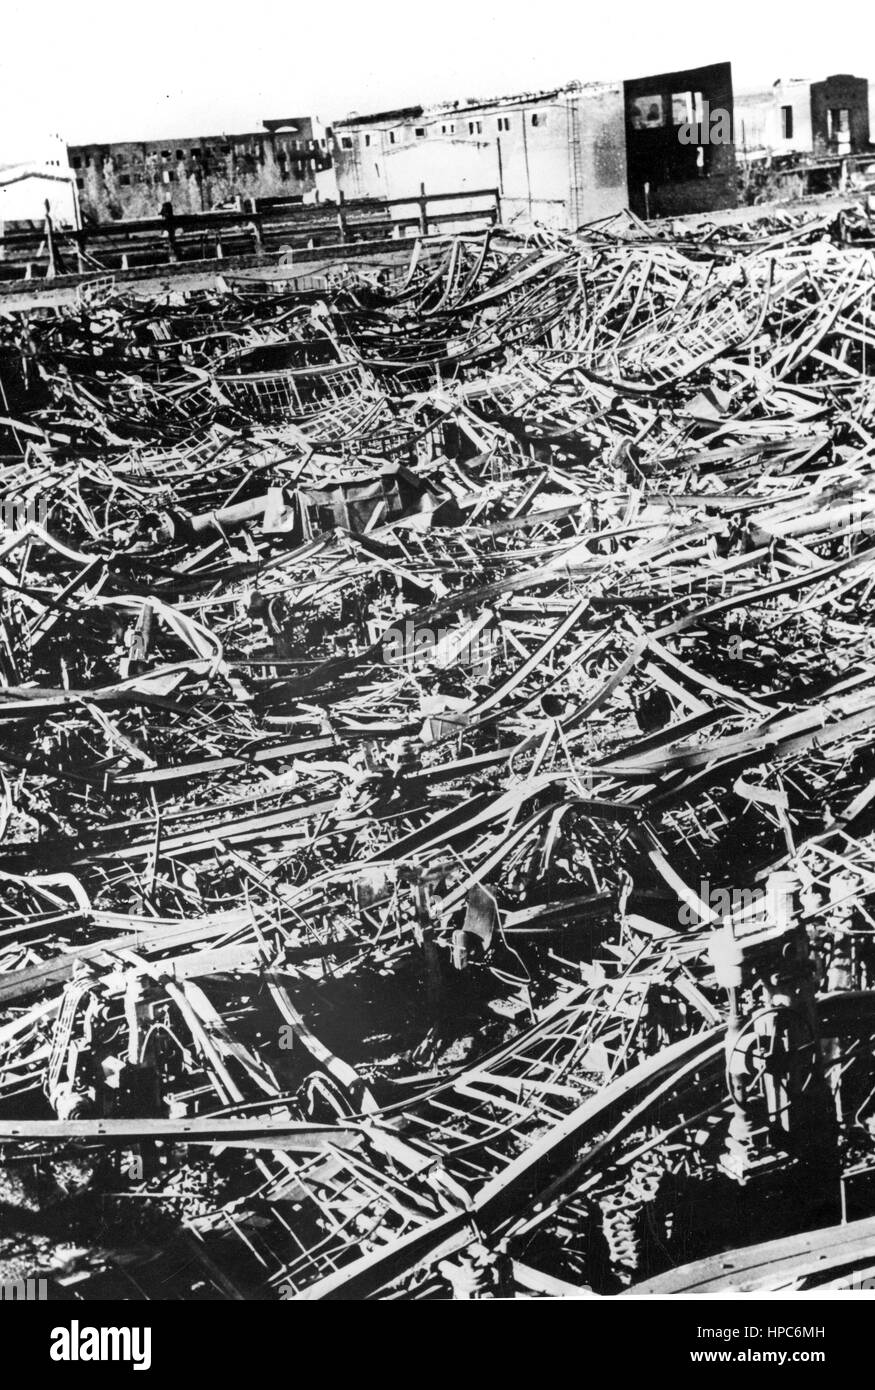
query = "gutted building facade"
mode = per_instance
[
  {"x": 680, "y": 151},
  {"x": 840, "y": 115},
  {"x": 196, "y": 173}
]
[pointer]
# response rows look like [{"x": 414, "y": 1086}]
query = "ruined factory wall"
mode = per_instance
[
  {"x": 840, "y": 115},
  {"x": 360, "y": 148},
  {"x": 392, "y": 163},
  {"x": 532, "y": 150},
  {"x": 668, "y": 177},
  {"x": 596, "y": 155},
  {"x": 519, "y": 151},
  {"x": 556, "y": 158},
  {"x": 133, "y": 180}
]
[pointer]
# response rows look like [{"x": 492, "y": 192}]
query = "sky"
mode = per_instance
[{"x": 187, "y": 67}]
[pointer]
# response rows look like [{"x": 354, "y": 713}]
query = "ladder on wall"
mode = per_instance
[{"x": 575, "y": 164}]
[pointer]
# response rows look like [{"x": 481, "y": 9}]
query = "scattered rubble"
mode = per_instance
[{"x": 408, "y": 681}]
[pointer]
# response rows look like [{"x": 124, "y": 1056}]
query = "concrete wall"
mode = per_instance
[
  {"x": 392, "y": 161},
  {"x": 134, "y": 179},
  {"x": 665, "y": 176},
  {"x": 569, "y": 167},
  {"x": 795, "y": 93},
  {"x": 557, "y": 158},
  {"x": 600, "y": 179},
  {"x": 835, "y": 93},
  {"x": 534, "y": 157}
]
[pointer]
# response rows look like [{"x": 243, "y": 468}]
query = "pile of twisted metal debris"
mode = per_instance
[{"x": 437, "y": 755}]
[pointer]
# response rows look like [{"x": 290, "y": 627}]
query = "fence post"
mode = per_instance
[
  {"x": 341, "y": 215},
  {"x": 423, "y": 215},
  {"x": 50, "y": 244}
]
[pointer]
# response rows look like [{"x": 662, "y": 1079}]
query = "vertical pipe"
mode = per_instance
[{"x": 526, "y": 161}]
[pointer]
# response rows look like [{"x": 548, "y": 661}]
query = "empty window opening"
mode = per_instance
[
  {"x": 682, "y": 108},
  {"x": 838, "y": 123},
  {"x": 646, "y": 113},
  {"x": 787, "y": 122}
]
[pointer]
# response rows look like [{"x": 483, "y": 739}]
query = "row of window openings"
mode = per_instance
[
  {"x": 197, "y": 153},
  {"x": 283, "y": 163},
  {"x": 648, "y": 112},
  {"x": 474, "y": 128},
  {"x": 168, "y": 176}
]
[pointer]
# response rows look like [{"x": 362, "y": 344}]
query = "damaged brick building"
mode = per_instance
[
  {"x": 134, "y": 178},
  {"x": 840, "y": 115}
]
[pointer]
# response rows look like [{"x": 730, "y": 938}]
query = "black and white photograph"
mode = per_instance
[{"x": 437, "y": 663}]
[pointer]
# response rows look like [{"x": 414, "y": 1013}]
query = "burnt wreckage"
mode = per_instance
[{"x": 437, "y": 773}]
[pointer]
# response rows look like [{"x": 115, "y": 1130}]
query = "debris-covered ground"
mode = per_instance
[{"x": 403, "y": 677}]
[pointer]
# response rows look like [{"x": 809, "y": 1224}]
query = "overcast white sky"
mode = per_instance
[{"x": 101, "y": 70}]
